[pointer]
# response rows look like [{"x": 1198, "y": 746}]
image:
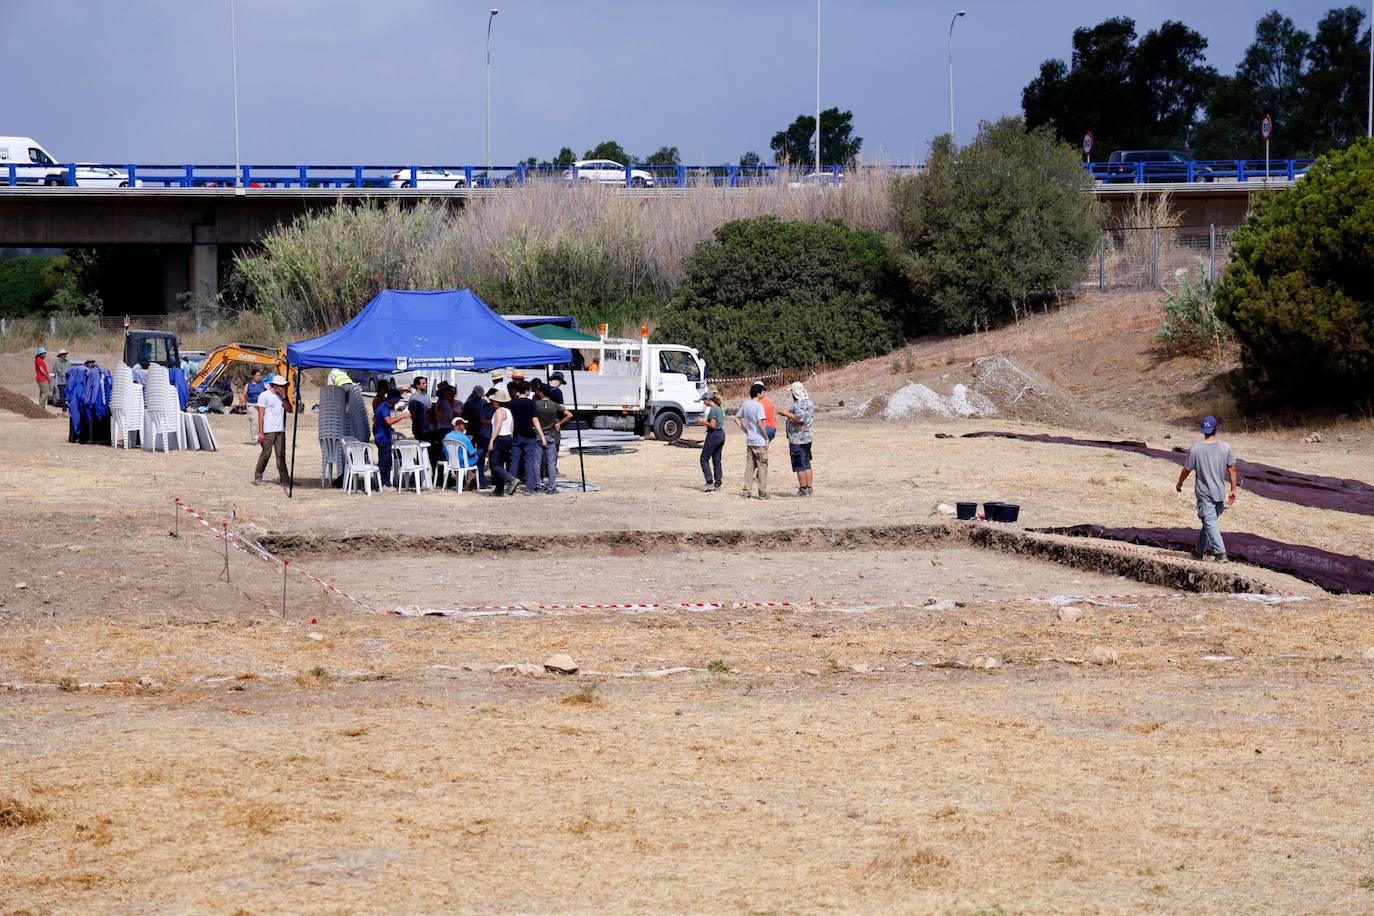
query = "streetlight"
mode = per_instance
[
  {"x": 234, "y": 58},
  {"x": 818, "y": 87},
  {"x": 953, "y": 19},
  {"x": 1369, "y": 130},
  {"x": 489, "y": 19}
]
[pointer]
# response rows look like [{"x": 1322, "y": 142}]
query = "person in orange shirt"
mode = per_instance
[{"x": 770, "y": 413}]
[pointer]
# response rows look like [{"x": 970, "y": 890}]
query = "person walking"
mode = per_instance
[
  {"x": 498, "y": 455},
  {"x": 552, "y": 416},
  {"x": 1215, "y": 466},
  {"x": 770, "y": 413},
  {"x": 799, "y": 437},
  {"x": 711, "y": 449},
  {"x": 750, "y": 418},
  {"x": 251, "y": 392},
  {"x": 384, "y": 418},
  {"x": 271, "y": 411},
  {"x": 42, "y": 376}
]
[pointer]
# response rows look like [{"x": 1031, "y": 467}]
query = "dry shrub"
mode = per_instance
[
  {"x": 520, "y": 248},
  {"x": 905, "y": 861},
  {"x": 16, "y": 813}
]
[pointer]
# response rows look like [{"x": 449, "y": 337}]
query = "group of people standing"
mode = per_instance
[
  {"x": 757, "y": 418},
  {"x": 510, "y": 432},
  {"x": 50, "y": 377}
]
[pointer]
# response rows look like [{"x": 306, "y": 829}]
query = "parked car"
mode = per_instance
[
  {"x": 429, "y": 178},
  {"x": 819, "y": 180},
  {"x": 606, "y": 171},
  {"x": 1159, "y": 165},
  {"x": 35, "y": 165}
]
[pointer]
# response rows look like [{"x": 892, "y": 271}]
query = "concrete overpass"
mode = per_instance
[{"x": 195, "y": 228}]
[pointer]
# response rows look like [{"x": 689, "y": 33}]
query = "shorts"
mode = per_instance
[{"x": 800, "y": 454}]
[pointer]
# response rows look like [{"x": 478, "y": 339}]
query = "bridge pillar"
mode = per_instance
[
  {"x": 175, "y": 277},
  {"x": 205, "y": 271}
]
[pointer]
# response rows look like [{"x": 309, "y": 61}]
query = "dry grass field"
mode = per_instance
[{"x": 872, "y": 716}]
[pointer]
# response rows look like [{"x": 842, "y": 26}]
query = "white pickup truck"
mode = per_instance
[{"x": 621, "y": 383}]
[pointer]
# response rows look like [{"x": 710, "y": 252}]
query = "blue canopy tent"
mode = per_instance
[{"x": 407, "y": 330}]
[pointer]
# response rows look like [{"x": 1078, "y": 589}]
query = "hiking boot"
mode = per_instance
[
  {"x": 801, "y": 491},
  {"x": 1220, "y": 558},
  {"x": 717, "y": 486},
  {"x": 747, "y": 495},
  {"x": 762, "y": 496},
  {"x": 709, "y": 488}
]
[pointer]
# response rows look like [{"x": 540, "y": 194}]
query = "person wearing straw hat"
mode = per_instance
[
  {"x": 799, "y": 437},
  {"x": 59, "y": 377},
  {"x": 502, "y": 438},
  {"x": 42, "y": 376},
  {"x": 271, "y": 409},
  {"x": 714, "y": 421}
]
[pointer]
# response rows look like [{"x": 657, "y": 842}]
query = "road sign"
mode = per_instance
[
  {"x": 1266, "y": 128},
  {"x": 1087, "y": 143}
]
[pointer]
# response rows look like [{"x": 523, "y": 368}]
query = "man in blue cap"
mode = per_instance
[{"x": 1214, "y": 464}]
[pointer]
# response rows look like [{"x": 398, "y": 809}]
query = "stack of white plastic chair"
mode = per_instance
[
  {"x": 161, "y": 412},
  {"x": 126, "y": 408},
  {"x": 333, "y": 427},
  {"x": 358, "y": 421}
]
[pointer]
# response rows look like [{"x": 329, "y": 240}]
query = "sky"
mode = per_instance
[{"x": 404, "y": 82}]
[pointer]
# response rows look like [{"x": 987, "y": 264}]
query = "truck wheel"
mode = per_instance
[{"x": 668, "y": 427}]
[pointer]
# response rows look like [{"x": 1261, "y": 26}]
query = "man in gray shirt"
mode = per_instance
[
  {"x": 751, "y": 419},
  {"x": 1215, "y": 466}
]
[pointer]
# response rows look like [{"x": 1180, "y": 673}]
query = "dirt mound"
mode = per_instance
[
  {"x": 990, "y": 386},
  {"x": 25, "y": 407}
]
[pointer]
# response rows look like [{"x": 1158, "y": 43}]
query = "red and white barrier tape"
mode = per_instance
[{"x": 250, "y": 546}]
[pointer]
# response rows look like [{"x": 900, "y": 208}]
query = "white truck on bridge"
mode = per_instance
[{"x": 621, "y": 383}]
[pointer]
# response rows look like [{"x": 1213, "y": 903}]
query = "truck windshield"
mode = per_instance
[{"x": 680, "y": 362}]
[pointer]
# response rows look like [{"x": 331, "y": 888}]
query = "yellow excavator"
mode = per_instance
[{"x": 212, "y": 385}]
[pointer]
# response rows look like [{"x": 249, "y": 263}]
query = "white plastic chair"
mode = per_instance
[
  {"x": 358, "y": 464},
  {"x": 456, "y": 463},
  {"x": 411, "y": 461}
]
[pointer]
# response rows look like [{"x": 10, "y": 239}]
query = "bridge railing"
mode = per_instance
[
  {"x": 1207, "y": 170},
  {"x": 459, "y": 177}
]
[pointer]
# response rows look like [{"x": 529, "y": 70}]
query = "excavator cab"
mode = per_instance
[
  {"x": 148, "y": 347},
  {"x": 213, "y": 385}
]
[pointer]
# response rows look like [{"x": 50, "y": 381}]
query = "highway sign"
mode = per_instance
[
  {"x": 1267, "y": 128},
  {"x": 1087, "y": 143}
]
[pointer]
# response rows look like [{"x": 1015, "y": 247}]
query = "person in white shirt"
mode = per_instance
[
  {"x": 271, "y": 410},
  {"x": 752, "y": 419}
]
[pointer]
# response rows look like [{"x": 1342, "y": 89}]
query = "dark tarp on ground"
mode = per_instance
[
  {"x": 1261, "y": 479},
  {"x": 411, "y": 330},
  {"x": 1333, "y": 572}
]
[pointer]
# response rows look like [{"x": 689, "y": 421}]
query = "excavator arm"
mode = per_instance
[{"x": 271, "y": 360}]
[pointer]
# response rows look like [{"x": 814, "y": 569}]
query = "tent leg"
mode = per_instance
[
  {"x": 295, "y": 428},
  {"x": 581, "y": 462}
]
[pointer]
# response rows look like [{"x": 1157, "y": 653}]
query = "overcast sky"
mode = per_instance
[{"x": 402, "y": 82}]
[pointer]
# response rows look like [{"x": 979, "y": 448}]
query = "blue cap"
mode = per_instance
[
  {"x": 42, "y": 350},
  {"x": 1209, "y": 425}
]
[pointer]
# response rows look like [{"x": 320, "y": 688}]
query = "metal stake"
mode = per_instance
[
  {"x": 176, "y": 517},
  {"x": 226, "y": 551},
  {"x": 284, "y": 564}
]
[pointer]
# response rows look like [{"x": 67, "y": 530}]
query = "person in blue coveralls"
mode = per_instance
[{"x": 388, "y": 415}]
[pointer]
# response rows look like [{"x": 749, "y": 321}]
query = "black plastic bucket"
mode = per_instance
[
  {"x": 1001, "y": 512},
  {"x": 966, "y": 511}
]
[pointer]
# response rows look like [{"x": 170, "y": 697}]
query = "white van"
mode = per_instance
[{"x": 24, "y": 161}]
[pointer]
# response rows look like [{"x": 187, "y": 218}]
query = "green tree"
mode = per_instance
[
  {"x": 1296, "y": 288},
  {"x": 797, "y": 144},
  {"x": 565, "y": 158},
  {"x": 750, "y": 160},
  {"x": 609, "y": 149},
  {"x": 987, "y": 232},
  {"x": 768, "y": 292},
  {"x": 24, "y": 285},
  {"x": 1129, "y": 93},
  {"x": 664, "y": 156},
  {"x": 1333, "y": 88},
  {"x": 1268, "y": 81}
]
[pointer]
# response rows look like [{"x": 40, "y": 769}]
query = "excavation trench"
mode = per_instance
[{"x": 1177, "y": 575}]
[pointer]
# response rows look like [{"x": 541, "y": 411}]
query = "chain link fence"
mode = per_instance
[
  {"x": 1147, "y": 257},
  {"x": 32, "y": 330}
]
